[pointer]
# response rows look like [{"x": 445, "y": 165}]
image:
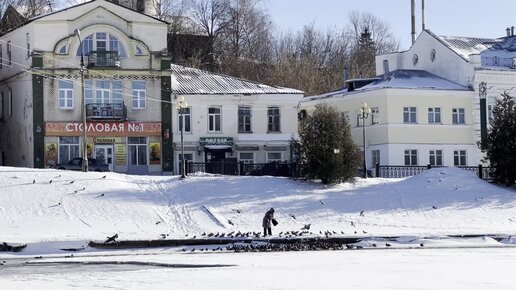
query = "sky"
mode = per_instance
[
  {"x": 443, "y": 17},
  {"x": 51, "y": 210}
]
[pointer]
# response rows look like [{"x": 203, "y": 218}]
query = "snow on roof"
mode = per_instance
[
  {"x": 399, "y": 79},
  {"x": 186, "y": 80},
  {"x": 465, "y": 46}
]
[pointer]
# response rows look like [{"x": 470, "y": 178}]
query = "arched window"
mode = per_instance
[{"x": 101, "y": 41}]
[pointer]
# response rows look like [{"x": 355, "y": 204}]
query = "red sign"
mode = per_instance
[{"x": 100, "y": 129}]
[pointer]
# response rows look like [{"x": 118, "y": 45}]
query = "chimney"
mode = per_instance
[
  {"x": 385, "y": 69},
  {"x": 512, "y": 30},
  {"x": 413, "y": 19},
  {"x": 423, "y": 14},
  {"x": 508, "y": 30}
]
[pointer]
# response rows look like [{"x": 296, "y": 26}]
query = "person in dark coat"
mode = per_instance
[{"x": 267, "y": 222}]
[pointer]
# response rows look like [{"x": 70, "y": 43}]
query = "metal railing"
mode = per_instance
[
  {"x": 241, "y": 168},
  {"x": 399, "y": 171},
  {"x": 102, "y": 58},
  {"x": 106, "y": 111}
]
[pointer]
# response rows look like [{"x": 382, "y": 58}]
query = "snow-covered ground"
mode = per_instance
[{"x": 51, "y": 210}]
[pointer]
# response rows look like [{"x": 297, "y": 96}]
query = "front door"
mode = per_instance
[{"x": 104, "y": 153}]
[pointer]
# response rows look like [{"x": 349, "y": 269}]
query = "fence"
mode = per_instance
[
  {"x": 390, "y": 171},
  {"x": 294, "y": 170}
]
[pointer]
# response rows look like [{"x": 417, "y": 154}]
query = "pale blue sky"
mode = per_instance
[{"x": 443, "y": 17}]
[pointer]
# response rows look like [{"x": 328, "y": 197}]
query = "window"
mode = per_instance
[
  {"x": 273, "y": 115},
  {"x": 435, "y": 157},
  {"x": 137, "y": 150},
  {"x": 63, "y": 50},
  {"x": 432, "y": 55},
  {"x": 68, "y": 148},
  {"x": 491, "y": 103},
  {"x": 360, "y": 121},
  {"x": 409, "y": 115},
  {"x": 411, "y": 157},
  {"x": 458, "y": 116},
  {"x": 434, "y": 115},
  {"x": 274, "y": 157},
  {"x": 459, "y": 158},
  {"x": 139, "y": 51},
  {"x": 88, "y": 91},
  {"x": 375, "y": 116},
  {"x": 214, "y": 117},
  {"x": 65, "y": 94},
  {"x": 102, "y": 91},
  {"x": 415, "y": 59},
  {"x": 9, "y": 53},
  {"x": 117, "y": 92},
  {"x": 186, "y": 120},
  {"x": 246, "y": 157},
  {"x": 28, "y": 45},
  {"x": 375, "y": 155},
  {"x": 244, "y": 119},
  {"x": 100, "y": 41},
  {"x": 138, "y": 94}
]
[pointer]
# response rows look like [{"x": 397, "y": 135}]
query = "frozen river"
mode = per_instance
[{"x": 459, "y": 268}]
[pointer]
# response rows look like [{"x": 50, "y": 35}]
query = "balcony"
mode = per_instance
[
  {"x": 103, "y": 59},
  {"x": 106, "y": 111}
]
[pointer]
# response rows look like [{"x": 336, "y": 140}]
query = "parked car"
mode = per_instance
[{"x": 76, "y": 164}]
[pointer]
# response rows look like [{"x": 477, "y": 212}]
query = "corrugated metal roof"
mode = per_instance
[
  {"x": 186, "y": 80},
  {"x": 398, "y": 79},
  {"x": 465, "y": 46}
]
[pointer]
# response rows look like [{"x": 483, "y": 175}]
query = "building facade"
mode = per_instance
[
  {"x": 430, "y": 104},
  {"x": 125, "y": 87},
  {"x": 231, "y": 120}
]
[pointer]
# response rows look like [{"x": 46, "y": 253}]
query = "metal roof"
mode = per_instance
[
  {"x": 398, "y": 79},
  {"x": 191, "y": 81},
  {"x": 465, "y": 46}
]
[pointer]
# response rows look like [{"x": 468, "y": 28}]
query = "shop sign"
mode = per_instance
[
  {"x": 120, "y": 154},
  {"x": 101, "y": 129},
  {"x": 203, "y": 141},
  {"x": 105, "y": 140}
]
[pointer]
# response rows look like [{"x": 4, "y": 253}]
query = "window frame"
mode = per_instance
[
  {"x": 9, "y": 53},
  {"x": 375, "y": 116},
  {"x": 66, "y": 95},
  {"x": 412, "y": 156},
  {"x": 139, "y": 95},
  {"x": 244, "y": 119},
  {"x": 409, "y": 113},
  {"x": 435, "y": 157},
  {"x": 274, "y": 159},
  {"x": 460, "y": 158},
  {"x": 458, "y": 117},
  {"x": 140, "y": 149},
  {"x": 434, "y": 113},
  {"x": 70, "y": 147},
  {"x": 246, "y": 160},
  {"x": 215, "y": 119},
  {"x": 273, "y": 119},
  {"x": 187, "y": 114}
]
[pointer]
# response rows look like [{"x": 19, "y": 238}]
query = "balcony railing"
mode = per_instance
[
  {"x": 106, "y": 111},
  {"x": 103, "y": 59}
]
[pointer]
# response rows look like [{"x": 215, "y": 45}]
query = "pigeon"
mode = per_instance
[
  {"x": 352, "y": 224},
  {"x": 34, "y": 181},
  {"x": 158, "y": 222},
  {"x": 230, "y": 222},
  {"x": 321, "y": 201},
  {"x": 104, "y": 176},
  {"x": 50, "y": 181},
  {"x": 374, "y": 245},
  {"x": 364, "y": 232},
  {"x": 72, "y": 181},
  {"x": 349, "y": 247},
  {"x": 421, "y": 245},
  {"x": 387, "y": 245},
  {"x": 433, "y": 206},
  {"x": 362, "y": 213},
  {"x": 292, "y": 216}
]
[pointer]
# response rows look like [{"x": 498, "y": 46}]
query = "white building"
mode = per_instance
[
  {"x": 126, "y": 89},
  {"x": 229, "y": 119},
  {"x": 426, "y": 100}
]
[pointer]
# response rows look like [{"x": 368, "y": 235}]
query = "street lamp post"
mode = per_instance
[
  {"x": 181, "y": 104},
  {"x": 363, "y": 113},
  {"x": 83, "y": 102}
]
